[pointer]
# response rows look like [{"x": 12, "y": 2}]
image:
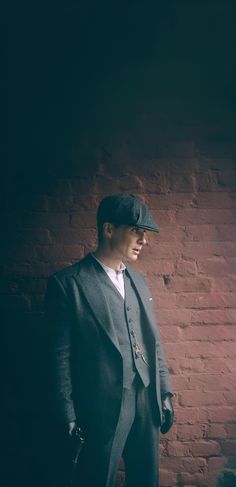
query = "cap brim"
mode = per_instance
[{"x": 149, "y": 228}]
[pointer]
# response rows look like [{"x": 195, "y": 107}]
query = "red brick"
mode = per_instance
[
  {"x": 221, "y": 365},
  {"x": 200, "y": 448},
  {"x": 203, "y": 216},
  {"x": 200, "y": 349},
  {"x": 170, "y": 334},
  {"x": 226, "y": 232},
  {"x": 181, "y": 464},
  {"x": 221, "y": 284},
  {"x": 164, "y": 217},
  {"x": 185, "y": 268},
  {"x": 232, "y": 265},
  {"x": 179, "y": 449},
  {"x": 174, "y": 316},
  {"x": 158, "y": 267},
  {"x": 216, "y": 266},
  {"x": 191, "y": 432},
  {"x": 167, "y": 478},
  {"x": 215, "y": 468},
  {"x": 164, "y": 300},
  {"x": 231, "y": 430},
  {"x": 186, "y": 365},
  {"x": 201, "y": 232},
  {"x": 154, "y": 185},
  {"x": 179, "y": 382},
  {"x": 169, "y": 201},
  {"x": 85, "y": 219},
  {"x": 208, "y": 333},
  {"x": 230, "y": 397},
  {"x": 203, "y": 382},
  {"x": 160, "y": 250},
  {"x": 220, "y": 200},
  {"x": 103, "y": 183},
  {"x": 155, "y": 283},
  {"x": 214, "y": 316},
  {"x": 193, "y": 480},
  {"x": 168, "y": 233},
  {"x": 189, "y": 284},
  {"x": 209, "y": 398},
  {"x": 60, "y": 252},
  {"x": 193, "y": 415},
  {"x": 182, "y": 183},
  {"x": 202, "y": 250},
  {"x": 221, "y": 414},
  {"x": 85, "y": 202},
  {"x": 216, "y": 430},
  {"x": 216, "y": 463},
  {"x": 189, "y": 415},
  {"x": 205, "y": 300},
  {"x": 73, "y": 236}
]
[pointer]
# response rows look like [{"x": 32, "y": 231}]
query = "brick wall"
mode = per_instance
[
  {"x": 190, "y": 267},
  {"x": 141, "y": 101}
]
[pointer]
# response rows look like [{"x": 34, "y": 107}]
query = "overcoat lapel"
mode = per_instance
[
  {"x": 144, "y": 299},
  {"x": 88, "y": 281}
]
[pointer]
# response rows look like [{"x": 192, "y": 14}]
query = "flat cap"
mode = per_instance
[{"x": 125, "y": 209}]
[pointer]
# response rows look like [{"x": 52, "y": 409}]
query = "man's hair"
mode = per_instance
[{"x": 104, "y": 215}]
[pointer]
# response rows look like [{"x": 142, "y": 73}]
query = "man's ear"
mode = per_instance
[{"x": 107, "y": 230}]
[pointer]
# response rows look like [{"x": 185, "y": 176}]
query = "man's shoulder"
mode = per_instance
[{"x": 72, "y": 270}]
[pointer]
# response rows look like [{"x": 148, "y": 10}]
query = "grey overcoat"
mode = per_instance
[{"x": 85, "y": 361}]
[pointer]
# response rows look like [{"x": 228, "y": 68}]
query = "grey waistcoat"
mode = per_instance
[{"x": 127, "y": 319}]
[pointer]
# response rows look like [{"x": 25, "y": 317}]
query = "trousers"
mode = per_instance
[{"x": 136, "y": 439}]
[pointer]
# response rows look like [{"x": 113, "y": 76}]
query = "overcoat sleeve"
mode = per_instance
[
  {"x": 57, "y": 315},
  {"x": 165, "y": 384}
]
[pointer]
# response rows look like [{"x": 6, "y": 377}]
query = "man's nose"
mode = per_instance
[{"x": 143, "y": 239}]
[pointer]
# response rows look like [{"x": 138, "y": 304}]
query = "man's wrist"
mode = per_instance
[{"x": 166, "y": 394}]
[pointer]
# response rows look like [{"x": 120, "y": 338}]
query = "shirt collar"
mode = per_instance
[{"x": 109, "y": 269}]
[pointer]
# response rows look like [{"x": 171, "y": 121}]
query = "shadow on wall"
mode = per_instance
[{"x": 227, "y": 479}]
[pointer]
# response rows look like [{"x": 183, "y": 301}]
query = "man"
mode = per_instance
[{"x": 109, "y": 370}]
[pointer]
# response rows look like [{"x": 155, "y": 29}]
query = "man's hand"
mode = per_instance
[
  {"x": 71, "y": 427},
  {"x": 75, "y": 431},
  {"x": 167, "y": 413}
]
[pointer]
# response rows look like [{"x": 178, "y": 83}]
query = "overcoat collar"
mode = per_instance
[{"x": 88, "y": 281}]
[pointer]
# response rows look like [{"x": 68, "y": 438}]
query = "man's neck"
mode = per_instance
[{"x": 108, "y": 259}]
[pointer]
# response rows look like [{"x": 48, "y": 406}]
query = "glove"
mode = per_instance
[
  {"x": 167, "y": 414},
  {"x": 75, "y": 431}
]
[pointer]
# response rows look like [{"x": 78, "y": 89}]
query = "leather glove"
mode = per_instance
[
  {"x": 167, "y": 413},
  {"x": 75, "y": 431}
]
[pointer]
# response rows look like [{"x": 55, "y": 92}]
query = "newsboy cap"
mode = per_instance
[{"x": 125, "y": 209}]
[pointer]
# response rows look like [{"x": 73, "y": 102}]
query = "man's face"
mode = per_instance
[{"x": 127, "y": 242}]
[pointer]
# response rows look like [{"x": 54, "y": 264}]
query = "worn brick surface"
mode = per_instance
[{"x": 190, "y": 267}]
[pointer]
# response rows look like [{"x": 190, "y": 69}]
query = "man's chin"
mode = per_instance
[{"x": 133, "y": 257}]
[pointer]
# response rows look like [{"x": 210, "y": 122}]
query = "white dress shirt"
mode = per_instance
[{"x": 117, "y": 277}]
